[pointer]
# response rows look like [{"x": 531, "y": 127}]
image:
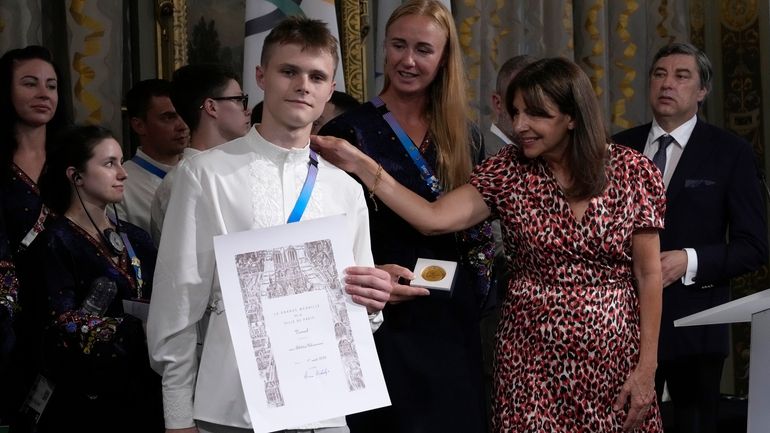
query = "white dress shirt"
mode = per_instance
[
  {"x": 673, "y": 153},
  {"x": 139, "y": 190},
  {"x": 498, "y": 132},
  {"x": 162, "y": 194},
  {"x": 241, "y": 185}
]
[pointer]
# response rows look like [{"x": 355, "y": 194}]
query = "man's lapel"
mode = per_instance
[{"x": 697, "y": 150}]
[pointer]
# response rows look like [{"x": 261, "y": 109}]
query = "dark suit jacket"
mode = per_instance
[{"x": 716, "y": 206}]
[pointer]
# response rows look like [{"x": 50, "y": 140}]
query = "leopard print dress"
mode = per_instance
[{"x": 569, "y": 330}]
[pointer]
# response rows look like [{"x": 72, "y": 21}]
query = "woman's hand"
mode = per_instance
[
  {"x": 338, "y": 151},
  {"x": 639, "y": 392},
  {"x": 402, "y": 292}
]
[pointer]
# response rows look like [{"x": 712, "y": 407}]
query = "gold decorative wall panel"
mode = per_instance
[
  {"x": 171, "y": 36},
  {"x": 353, "y": 48},
  {"x": 741, "y": 79}
]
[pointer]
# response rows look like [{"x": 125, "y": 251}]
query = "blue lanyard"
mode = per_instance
[
  {"x": 141, "y": 162},
  {"x": 425, "y": 172},
  {"x": 135, "y": 263},
  {"x": 307, "y": 189}
]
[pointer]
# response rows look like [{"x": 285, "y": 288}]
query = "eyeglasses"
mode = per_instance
[{"x": 243, "y": 98}]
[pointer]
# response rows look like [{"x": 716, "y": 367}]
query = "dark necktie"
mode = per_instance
[{"x": 659, "y": 159}]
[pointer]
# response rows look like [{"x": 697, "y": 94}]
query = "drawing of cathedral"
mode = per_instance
[{"x": 286, "y": 271}]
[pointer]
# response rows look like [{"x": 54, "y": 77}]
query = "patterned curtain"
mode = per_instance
[
  {"x": 95, "y": 32},
  {"x": 612, "y": 41},
  {"x": 20, "y": 24}
]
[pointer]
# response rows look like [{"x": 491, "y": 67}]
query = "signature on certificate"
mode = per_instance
[{"x": 316, "y": 372}]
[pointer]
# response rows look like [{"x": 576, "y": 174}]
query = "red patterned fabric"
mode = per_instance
[{"x": 569, "y": 330}]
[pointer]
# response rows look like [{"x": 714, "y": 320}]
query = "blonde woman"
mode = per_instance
[{"x": 419, "y": 131}]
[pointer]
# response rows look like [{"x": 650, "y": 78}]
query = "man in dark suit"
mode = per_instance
[{"x": 715, "y": 227}]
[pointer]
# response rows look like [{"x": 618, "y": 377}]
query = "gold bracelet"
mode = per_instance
[{"x": 377, "y": 178}]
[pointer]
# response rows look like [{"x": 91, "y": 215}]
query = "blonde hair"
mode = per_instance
[{"x": 448, "y": 119}]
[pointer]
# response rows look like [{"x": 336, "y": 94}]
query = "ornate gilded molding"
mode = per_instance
[
  {"x": 171, "y": 36},
  {"x": 180, "y": 33},
  {"x": 698, "y": 24},
  {"x": 353, "y": 49},
  {"x": 741, "y": 76},
  {"x": 737, "y": 14}
]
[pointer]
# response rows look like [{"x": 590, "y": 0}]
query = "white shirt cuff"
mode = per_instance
[
  {"x": 688, "y": 278},
  {"x": 375, "y": 320},
  {"x": 178, "y": 408}
]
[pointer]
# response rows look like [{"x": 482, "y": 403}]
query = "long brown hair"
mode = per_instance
[
  {"x": 447, "y": 98},
  {"x": 568, "y": 87}
]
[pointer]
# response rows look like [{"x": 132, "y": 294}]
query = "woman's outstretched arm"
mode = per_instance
[{"x": 459, "y": 209}]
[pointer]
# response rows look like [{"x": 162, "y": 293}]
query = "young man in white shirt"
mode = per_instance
[
  {"x": 248, "y": 183},
  {"x": 162, "y": 138}
]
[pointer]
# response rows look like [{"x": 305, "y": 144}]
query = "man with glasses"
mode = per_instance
[
  {"x": 163, "y": 136},
  {"x": 209, "y": 99}
]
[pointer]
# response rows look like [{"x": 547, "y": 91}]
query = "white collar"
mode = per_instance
[
  {"x": 498, "y": 132},
  {"x": 681, "y": 134},
  {"x": 276, "y": 152}
]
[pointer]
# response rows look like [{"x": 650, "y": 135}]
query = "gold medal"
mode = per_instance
[{"x": 433, "y": 273}]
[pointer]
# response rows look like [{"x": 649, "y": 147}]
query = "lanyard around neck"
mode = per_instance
[
  {"x": 426, "y": 173},
  {"x": 136, "y": 264},
  {"x": 132, "y": 257},
  {"x": 147, "y": 165},
  {"x": 307, "y": 189}
]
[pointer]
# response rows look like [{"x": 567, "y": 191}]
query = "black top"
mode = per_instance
[
  {"x": 21, "y": 205},
  {"x": 429, "y": 348},
  {"x": 99, "y": 365}
]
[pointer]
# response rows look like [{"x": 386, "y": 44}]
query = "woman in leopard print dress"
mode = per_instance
[{"x": 577, "y": 343}]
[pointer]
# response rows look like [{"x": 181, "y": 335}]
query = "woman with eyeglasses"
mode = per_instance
[{"x": 89, "y": 270}]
